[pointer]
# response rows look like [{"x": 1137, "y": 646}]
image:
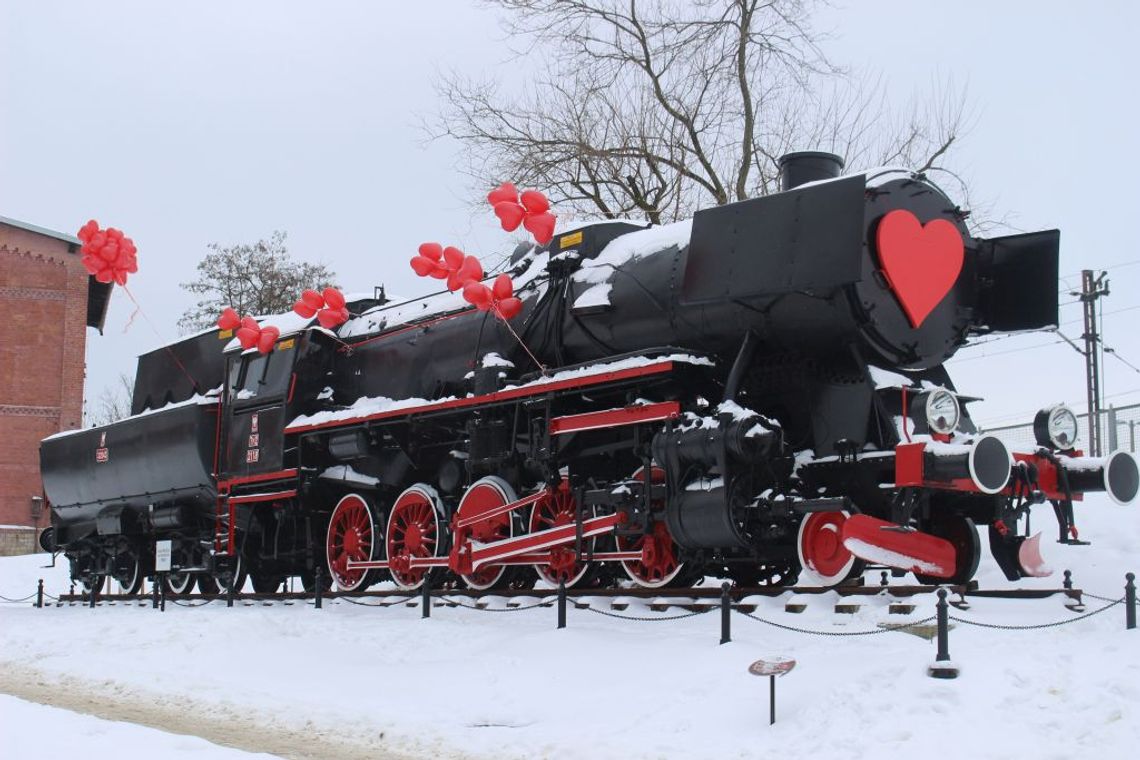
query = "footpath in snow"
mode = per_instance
[{"x": 466, "y": 683}]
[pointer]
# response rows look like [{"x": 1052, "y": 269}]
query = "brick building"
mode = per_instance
[{"x": 48, "y": 301}]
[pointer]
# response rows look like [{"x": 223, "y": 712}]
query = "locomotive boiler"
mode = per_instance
[{"x": 758, "y": 393}]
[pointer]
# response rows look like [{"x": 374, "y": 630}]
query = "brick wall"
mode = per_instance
[{"x": 43, "y": 299}]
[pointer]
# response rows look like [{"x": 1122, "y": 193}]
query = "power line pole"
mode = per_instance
[{"x": 1092, "y": 288}]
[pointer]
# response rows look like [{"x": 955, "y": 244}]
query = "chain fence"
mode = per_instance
[
  {"x": 870, "y": 632},
  {"x": 1118, "y": 428}
]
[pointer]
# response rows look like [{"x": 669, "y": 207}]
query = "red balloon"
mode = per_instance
[
  {"x": 247, "y": 336},
  {"x": 471, "y": 268},
  {"x": 541, "y": 226},
  {"x": 503, "y": 287},
  {"x": 114, "y": 234},
  {"x": 87, "y": 230},
  {"x": 422, "y": 265},
  {"x": 431, "y": 251},
  {"x": 98, "y": 240},
  {"x": 250, "y": 323},
  {"x": 504, "y": 193},
  {"x": 229, "y": 319},
  {"x": 313, "y": 299},
  {"x": 453, "y": 257},
  {"x": 105, "y": 275},
  {"x": 303, "y": 309},
  {"x": 477, "y": 294},
  {"x": 330, "y": 318},
  {"x": 535, "y": 202},
  {"x": 440, "y": 271},
  {"x": 334, "y": 298},
  {"x": 267, "y": 338},
  {"x": 510, "y": 215},
  {"x": 508, "y": 308}
]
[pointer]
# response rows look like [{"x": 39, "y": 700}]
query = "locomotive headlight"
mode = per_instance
[
  {"x": 942, "y": 411},
  {"x": 1056, "y": 427}
]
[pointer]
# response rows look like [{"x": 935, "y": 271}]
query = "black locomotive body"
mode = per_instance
[{"x": 758, "y": 393}]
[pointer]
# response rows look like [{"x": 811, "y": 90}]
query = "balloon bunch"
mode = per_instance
[
  {"x": 107, "y": 254},
  {"x": 450, "y": 263},
  {"x": 249, "y": 332},
  {"x": 531, "y": 209},
  {"x": 328, "y": 306},
  {"x": 498, "y": 299}
]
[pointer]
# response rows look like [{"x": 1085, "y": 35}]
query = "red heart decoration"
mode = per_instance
[
  {"x": 87, "y": 230},
  {"x": 453, "y": 257},
  {"x": 510, "y": 215},
  {"x": 431, "y": 251},
  {"x": 535, "y": 202},
  {"x": 229, "y": 319},
  {"x": 330, "y": 318},
  {"x": 334, "y": 298},
  {"x": 304, "y": 310},
  {"x": 267, "y": 338},
  {"x": 508, "y": 308},
  {"x": 504, "y": 193},
  {"x": 313, "y": 299},
  {"x": 541, "y": 226},
  {"x": 478, "y": 294},
  {"x": 921, "y": 262},
  {"x": 440, "y": 271},
  {"x": 247, "y": 337},
  {"x": 503, "y": 287},
  {"x": 422, "y": 265}
]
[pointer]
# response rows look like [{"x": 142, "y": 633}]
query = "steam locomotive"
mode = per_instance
[{"x": 757, "y": 393}]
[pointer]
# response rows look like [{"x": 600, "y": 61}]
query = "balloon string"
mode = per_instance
[
  {"x": 165, "y": 345},
  {"x": 533, "y": 358}
]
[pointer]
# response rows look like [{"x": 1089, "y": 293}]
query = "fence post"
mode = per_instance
[
  {"x": 725, "y": 614},
  {"x": 94, "y": 593},
  {"x": 943, "y": 667},
  {"x": 1068, "y": 582},
  {"x": 1130, "y": 601},
  {"x": 319, "y": 587},
  {"x": 230, "y": 589},
  {"x": 40, "y": 594},
  {"x": 561, "y": 604},
  {"x": 154, "y": 595},
  {"x": 161, "y": 595},
  {"x": 425, "y": 595}
]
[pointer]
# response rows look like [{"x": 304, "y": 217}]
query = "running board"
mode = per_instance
[{"x": 521, "y": 559}]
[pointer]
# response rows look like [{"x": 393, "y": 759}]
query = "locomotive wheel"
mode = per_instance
[
  {"x": 266, "y": 583},
  {"x": 208, "y": 584},
  {"x": 661, "y": 565},
  {"x": 177, "y": 584},
  {"x": 559, "y": 508},
  {"x": 485, "y": 495},
  {"x": 413, "y": 531},
  {"x": 351, "y": 535},
  {"x": 127, "y": 572},
  {"x": 822, "y": 554},
  {"x": 963, "y": 533},
  {"x": 309, "y": 582},
  {"x": 93, "y": 583}
]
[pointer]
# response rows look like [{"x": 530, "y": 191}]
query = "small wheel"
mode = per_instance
[
  {"x": 351, "y": 535},
  {"x": 484, "y": 496},
  {"x": 127, "y": 571},
  {"x": 820, "y": 548},
  {"x": 208, "y": 584},
  {"x": 177, "y": 584},
  {"x": 93, "y": 583},
  {"x": 309, "y": 582},
  {"x": 661, "y": 564},
  {"x": 554, "y": 509},
  {"x": 413, "y": 531},
  {"x": 963, "y": 533}
]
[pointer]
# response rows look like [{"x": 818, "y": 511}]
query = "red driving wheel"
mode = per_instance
[
  {"x": 351, "y": 536},
  {"x": 820, "y": 547},
  {"x": 485, "y": 496},
  {"x": 558, "y": 507},
  {"x": 660, "y": 563},
  {"x": 413, "y": 531}
]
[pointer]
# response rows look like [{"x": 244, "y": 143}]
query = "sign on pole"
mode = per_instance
[
  {"x": 162, "y": 551},
  {"x": 772, "y": 667}
]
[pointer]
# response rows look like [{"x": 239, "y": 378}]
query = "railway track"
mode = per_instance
[{"x": 694, "y": 598}]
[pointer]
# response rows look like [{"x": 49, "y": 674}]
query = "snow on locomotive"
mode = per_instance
[{"x": 758, "y": 393}]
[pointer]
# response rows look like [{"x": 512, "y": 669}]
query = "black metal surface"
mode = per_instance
[
  {"x": 1019, "y": 290},
  {"x": 177, "y": 371},
  {"x": 808, "y": 166}
]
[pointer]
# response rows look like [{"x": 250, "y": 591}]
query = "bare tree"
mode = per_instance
[
  {"x": 114, "y": 402},
  {"x": 258, "y": 278},
  {"x": 657, "y": 109}
]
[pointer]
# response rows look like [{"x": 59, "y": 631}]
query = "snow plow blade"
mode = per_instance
[{"x": 885, "y": 543}]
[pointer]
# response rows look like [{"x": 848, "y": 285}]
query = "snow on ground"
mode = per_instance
[
  {"x": 33, "y": 730},
  {"x": 466, "y": 683}
]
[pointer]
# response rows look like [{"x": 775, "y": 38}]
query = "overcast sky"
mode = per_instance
[{"x": 190, "y": 123}]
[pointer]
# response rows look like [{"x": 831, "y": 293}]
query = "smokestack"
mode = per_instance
[{"x": 808, "y": 166}]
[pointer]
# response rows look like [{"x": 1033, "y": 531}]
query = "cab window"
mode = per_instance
[{"x": 263, "y": 375}]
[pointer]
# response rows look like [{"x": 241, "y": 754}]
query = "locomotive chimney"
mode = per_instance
[{"x": 808, "y": 166}]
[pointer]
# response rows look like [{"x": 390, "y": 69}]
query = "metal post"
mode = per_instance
[
  {"x": 942, "y": 667},
  {"x": 771, "y": 699},
  {"x": 725, "y": 614},
  {"x": 1110, "y": 424},
  {"x": 561, "y": 604},
  {"x": 319, "y": 590},
  {"x": 161, "y": 594},
  {"x": 230, "y": 588},
  {"x": 425, "y": 595},
  {"x": 1130, "y": 601},
  {"x": 1091, "y": 290},
  {"x": 40, "y": 594},
  {"x": 154, "y": 595},
  {"x": 94, "y": 590},
  {"x": 1068, "y": 582}
]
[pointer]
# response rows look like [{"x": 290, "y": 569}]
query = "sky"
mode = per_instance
[{"x": 191, "y": 123}]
